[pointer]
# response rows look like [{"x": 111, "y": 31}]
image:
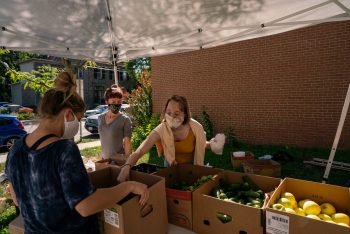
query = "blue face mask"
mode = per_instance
[{"x": 114, "y": 107}]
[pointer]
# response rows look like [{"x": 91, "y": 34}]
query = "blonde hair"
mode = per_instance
[{"x": 62, "y": 95}]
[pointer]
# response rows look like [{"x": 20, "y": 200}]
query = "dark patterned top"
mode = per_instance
[{"x": 49, "y": 183}]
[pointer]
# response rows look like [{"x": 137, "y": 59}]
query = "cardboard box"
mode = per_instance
[
  {"x": 244, "y": 219},
  {"x": 179, "y": 203},
  {"x": 127, "y": 216},
  {"x": 237, "y": 161},
  {"x": 113, "y": 161},
  {"x": 17, "y": 226},
  {"x": 262, "y": 167},
  {"x": 282, "y": 222}
]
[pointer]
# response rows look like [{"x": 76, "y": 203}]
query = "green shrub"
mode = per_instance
[
  {"x": 141, "y": 100},
  {"x": 204, "y": 119},
  {"x": 7, "y": 216},
  {"x": 231, "y": 139},
  {"x": 207, "y": 124},
  {"x": 25, "y": 115},
  {"x": 141, "y": 132},
  {"x": 5, "y": 111},
  {"x": 138, "y": 136}
]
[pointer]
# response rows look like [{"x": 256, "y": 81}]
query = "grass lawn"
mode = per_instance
[
  {"x": 294, "y": 169},
  {"x": 89, "y": 138}
]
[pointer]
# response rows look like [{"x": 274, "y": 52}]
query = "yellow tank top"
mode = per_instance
[{"x": 184, "y": 150}]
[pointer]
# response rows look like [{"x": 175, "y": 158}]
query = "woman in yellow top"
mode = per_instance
[{"x": 179, "y": 138}]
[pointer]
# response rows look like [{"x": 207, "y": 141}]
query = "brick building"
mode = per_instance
[{"x": 286, "y": 89}]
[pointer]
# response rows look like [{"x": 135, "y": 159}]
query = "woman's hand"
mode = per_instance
[
  {"x": 140, "y": 189},
  {"x": 124, "y": 173}
]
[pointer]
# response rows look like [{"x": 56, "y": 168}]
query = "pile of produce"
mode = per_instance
[
  {"x": 326, "y": 211},
  {"x": 184, "y": 186},
  {"x": 247, "y": 193}
]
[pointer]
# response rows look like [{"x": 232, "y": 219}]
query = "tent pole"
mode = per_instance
[
  {"x": 113, "y": 44},
  {"x": 116, "y": 78},
  {"x": 337, "y": 136}
]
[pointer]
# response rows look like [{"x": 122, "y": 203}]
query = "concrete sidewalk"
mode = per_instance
[{"x": 81, "y": 146}]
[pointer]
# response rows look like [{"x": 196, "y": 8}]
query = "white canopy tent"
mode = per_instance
[
  {"x": 110, "y": 31},
  {"x": 95, "y": 29}
]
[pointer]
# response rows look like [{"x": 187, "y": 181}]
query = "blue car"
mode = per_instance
[{"x": 11, "y": 129}]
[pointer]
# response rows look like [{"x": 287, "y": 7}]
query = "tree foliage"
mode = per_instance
[
  {"x": 39, "y": 80},
  {"x": 135, "y": 67},
  {"x": 9, "y": 60},
  {"x": 141, "y": 99}
]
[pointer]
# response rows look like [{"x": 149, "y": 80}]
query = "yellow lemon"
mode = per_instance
[
  {"x": 343, "y": 224},
  {"x": 327, "y": 208},
  {"x": 301, "y": 203},
  {"x": 325, "y": 217},
  {"x": 278, "y": 206},
  {"x": 341, "y": 218},
  {"x": 313, "y": 216},
  {"x": 290, "y": 210},
  {"x": 285, "y": 202},
  {"x": 299, "y": 211},
  {"x": 311, "y": 207},
  {"x": 291, "y": 198}
]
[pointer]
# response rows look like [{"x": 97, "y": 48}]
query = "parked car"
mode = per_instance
[
  {"x": 11, "y": 129},
  {"x": 3, "y": 103},
  {"x": 91, "y": 122},
  {"x": 15, "y": 108},
  {"x": 97, "y": 110}
]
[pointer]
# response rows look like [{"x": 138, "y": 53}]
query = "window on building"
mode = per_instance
[
  {"x": 98, "y": 94},
  {"x": 80, "y": 73},
  {"x": 96, "y": 73},
  {"x": 124, "y": 76},
  {"x": 111, "y": 75},
  {"x": 103, "y": 74}
]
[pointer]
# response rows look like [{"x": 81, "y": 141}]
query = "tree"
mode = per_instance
[
  {"x": 135, "y": 67},
  {"x": 40, "y": 81},
  {"x": 9, "y": 60}
]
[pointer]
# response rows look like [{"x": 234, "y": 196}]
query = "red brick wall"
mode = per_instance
[{"x": 284, "y": 89}]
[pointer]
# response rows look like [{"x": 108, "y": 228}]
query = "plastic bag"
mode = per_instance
[
  {"x": 90, "y": 165},
  {"x": 217, "y": 143}
]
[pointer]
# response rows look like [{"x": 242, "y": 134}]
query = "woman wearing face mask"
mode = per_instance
[
  {"x": 114, "y": 127},
  {"x": 179, "y": 138},
  {"x": 48, "y": 180}
]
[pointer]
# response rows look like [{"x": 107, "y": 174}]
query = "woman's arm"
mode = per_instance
[
  {"x": 134, "y": 157},
  {"x": 143, "y": 148},
  {"x": 106, "y": 197},
  {"x": 13, "y": 194}
]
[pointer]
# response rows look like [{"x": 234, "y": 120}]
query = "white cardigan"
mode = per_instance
[{"x": 168, "y": 143}]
